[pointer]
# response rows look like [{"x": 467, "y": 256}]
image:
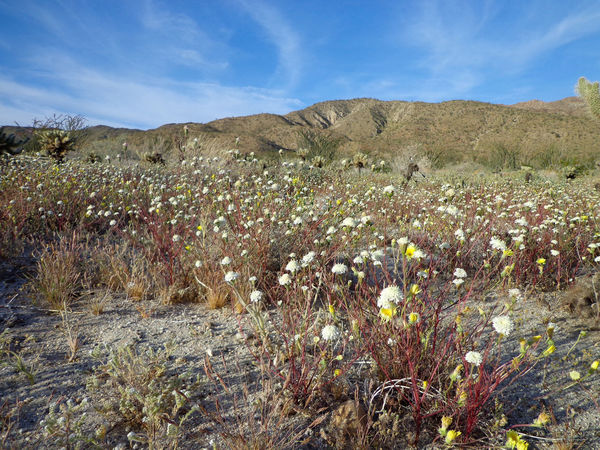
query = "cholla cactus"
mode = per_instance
[
  {"x": 318, "y": 161},
  {"x": 8, "y": 145},
  {"x": 360, "y": 160},
  {"x": 154, "y": 158},
  {"x": 93, "y": 158},
  {"x": 56, "y": 143},
  {"x": 302, "y": 153},
  {"x": 590, "y": 93}
]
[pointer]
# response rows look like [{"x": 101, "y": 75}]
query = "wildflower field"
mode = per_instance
[{"x": 219, "y": 303}]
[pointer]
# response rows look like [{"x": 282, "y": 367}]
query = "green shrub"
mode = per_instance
[{"x": 318, "y": 144}]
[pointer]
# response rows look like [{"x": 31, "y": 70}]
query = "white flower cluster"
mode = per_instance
[
  {"x": 503, "y": 325},
  {"x": 389, "y": 296}
]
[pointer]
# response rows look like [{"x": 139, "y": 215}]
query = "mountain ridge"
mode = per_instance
[{"x": 454, "y": 130}]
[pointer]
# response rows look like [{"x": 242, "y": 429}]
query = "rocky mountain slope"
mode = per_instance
[{"x": 453, "y": 131}]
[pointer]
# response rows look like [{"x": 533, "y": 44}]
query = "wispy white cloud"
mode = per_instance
[
  {"x": 123, "y": 101},
  {"x": 458, "y": 52},
  {"x": 182, "y": 40},
  {"x": 569, "y": 29},
  {"x": 283, "y": 36}
]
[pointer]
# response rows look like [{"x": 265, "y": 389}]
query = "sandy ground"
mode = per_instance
[{"x": 217, "y": 339}]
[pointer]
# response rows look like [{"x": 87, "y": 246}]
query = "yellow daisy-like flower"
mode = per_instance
[
  {"x": 513, "y": 440},
  {"x": 551, "y": 349},
  {"x": 410, "y": 251},
  {"x": 541, "y": 261},
  {"x": 414, "y": 290},
  {"x": 452, "y": 435},
  {"x": 594, "y": 366},
  {"x": 387, "y": 313}
]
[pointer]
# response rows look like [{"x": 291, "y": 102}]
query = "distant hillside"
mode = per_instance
[{"x": 539, "y": 133}]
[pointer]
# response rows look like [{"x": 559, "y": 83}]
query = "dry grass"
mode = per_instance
[{"x": 58, "y": 281}]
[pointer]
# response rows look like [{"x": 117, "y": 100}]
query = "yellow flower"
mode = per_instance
[
  {"x": 507, "y": 252},
  {"x": 542, "y": 419},
  {"x": 413, "y": 317},
  {"x": 452, "y": 435},
  {"x": 446, "y": 422},
  {"x": 455, "y": 375},
  {"x": 513, "y": 440},
  {"x": 331, "y": 310},
  {"x": 507, "y": 270},
  {"x": 387, "y": 313},
  {"x": 594, "y": 366},
  {"x": 541, "y": 261},
  {"x": 414, "y": 290},
  {"x": 551, "y": 348}
]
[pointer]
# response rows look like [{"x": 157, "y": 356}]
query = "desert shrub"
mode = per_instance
[
  {"x": 318, "y": 144},
  {"x": 501, "y": 156},
  {"x": 145, "y": 392},
  {"x": 9, "y": 145}
]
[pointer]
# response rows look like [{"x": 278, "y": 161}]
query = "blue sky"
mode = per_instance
[{"x": 144, "y": 63}]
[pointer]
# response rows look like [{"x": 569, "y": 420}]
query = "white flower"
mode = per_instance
[
  {"x": 113, "y": 223},
  {"x": 403, "y": 241},
  {"x": 554, "y": 252},
  {"x": 377, "y": 255},
  {"x": 256, "y": 296},
  {"x": 497, "y": 244},
  {"x": 503, "y": 325},
  {"x": 231, "y": 276},
  {"x": 292, "y": 266},
  {"x": 389, "y": 295},
  {"x": 358, "y": 260},
  {"x": 285, "y": 279},
  {"x": 460, "y": 273},
  {"x": 458, "y": 282},
  {"x": 198, "y": 264},
  {"x": 339, "y": 269},
  {"x": 308, "y": 258},
  {"x": 226, "y": 261},
  {"x": 390, "y": 189},
  {"x": 474, "y": 358},
  {"x": 349, "y": 222},
  {"x": 515, "y": 293},
  {"x": 176, "y": 238},
  {"x": 330, "y": 332}
]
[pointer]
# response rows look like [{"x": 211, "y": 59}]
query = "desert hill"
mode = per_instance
[{"x": 451, "y": 131}]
